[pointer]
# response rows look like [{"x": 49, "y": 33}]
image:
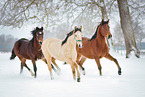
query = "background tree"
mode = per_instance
[
  {"x": 127, "y": 28},
  {"x": 53, "y": 14},
  {"x": 6, "y": 42},
  {"x": 138, "y": 31},
  {"x": 118, "y": 38}
]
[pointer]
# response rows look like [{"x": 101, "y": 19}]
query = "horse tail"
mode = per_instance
[{"x": 13, "y": 55}]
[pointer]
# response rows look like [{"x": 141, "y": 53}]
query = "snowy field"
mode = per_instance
[{"x": 130, "y": 84}]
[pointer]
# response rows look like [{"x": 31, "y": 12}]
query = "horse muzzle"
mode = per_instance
[
  {"x": 109, "y": 36},
  {"x": 40, "y": 42}
]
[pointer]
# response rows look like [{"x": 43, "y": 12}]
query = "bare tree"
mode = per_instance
[
  {"x": 6, "y": 42},
  {"x": 137, "y": 9},
  {"x": 127, "y": 28},
  {"x": 53, "y": 13},
  {"x": 118, "y": 38},
  {"x": 16, "y": 13},
  {"x": 138, "y": 31}
]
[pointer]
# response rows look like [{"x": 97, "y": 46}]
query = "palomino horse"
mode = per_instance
[
  {"x": 29, "y": 49},
  {"x": 65, "y": 50},
  {"x": 96, "y": 47}
]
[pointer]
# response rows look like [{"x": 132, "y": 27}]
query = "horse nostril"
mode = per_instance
[
  {"x": 40, "y": 42},
  {"x": 109, "y": 36}
]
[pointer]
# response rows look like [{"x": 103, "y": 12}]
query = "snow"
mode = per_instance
[{"x": 130, "y": 84}]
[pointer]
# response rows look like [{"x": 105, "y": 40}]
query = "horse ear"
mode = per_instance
[
  {"x": 37, "y": 28},
  {"x": 75, "y": 29},
  {"x": 102, "y": 21},
  {"x": 41, "y": 28},
  {"x": 81, "y": 27},
  {"x": 108, "y": 21}
]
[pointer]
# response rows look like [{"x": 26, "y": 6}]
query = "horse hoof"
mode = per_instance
[
  {"x": 78, "y": 79},
  {"x": 119, "y": 72}
]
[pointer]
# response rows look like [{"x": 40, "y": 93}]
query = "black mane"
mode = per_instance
[
  {"x": 95, "y": 35},
  {"x": 69, "y": 34},
  {"x": 36, "y": 30}
]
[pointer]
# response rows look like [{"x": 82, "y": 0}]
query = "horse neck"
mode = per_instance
[
  {"x": 35, "y": 42},
  {"x": 100, "y": 38},
  {"x": 71, "y": 41}
]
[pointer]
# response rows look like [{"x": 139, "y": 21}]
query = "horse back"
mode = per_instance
[
  {"x": 85, "y": 39},
  {"x": 54, "y": 48}
]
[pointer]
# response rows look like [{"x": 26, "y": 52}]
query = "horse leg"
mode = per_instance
[
  {"x": 21, "y": 68},
  {"x": 76, "y": 67},
  {"x": 80, "y": 63},
  {"x": 83, "y": 59},
  {"x": 22, "y": 63},
  {"x": 53, "y": 61},
  {"x": 23, "y": 60},
  {"x": 108, "y": 56},
  {"x": 78, "y": 74},
  {"x": 73, "y": 72},
  {"x": 49, "y": 67},
  {"x": 32, "y": 74},
  {"x": 43, "y": 59},
  {"x": 35, "y": 68},
  {"x": 99, "y": 65},
  {"x": 49, "y": 59}
]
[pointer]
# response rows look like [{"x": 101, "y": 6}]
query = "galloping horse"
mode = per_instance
[
  {"x": 65, "y": 50},
  {"x": 96, "y": 47},
  {"x": 29, "y": 49}
]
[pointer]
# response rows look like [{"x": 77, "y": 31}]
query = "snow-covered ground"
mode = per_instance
[{"x": 130, "y": 84}]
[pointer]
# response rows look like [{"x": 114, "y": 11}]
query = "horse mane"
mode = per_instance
[
  {"x": 95, "y": 35},
  {"x": 69, "y": 34},
  {"x": 33, "y": 32},
  {"x": 36, "y": 30}
]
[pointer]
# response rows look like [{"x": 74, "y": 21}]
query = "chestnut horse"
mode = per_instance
[
  {"x": 29, "y": 49},
  {"x": 96, "y": 47},
  {"x": 65, "y": 50}
]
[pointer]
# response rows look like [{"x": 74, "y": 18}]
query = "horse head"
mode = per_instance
[
  {"x": 78, "y": 36},
  {"x": 38, "y": 33},
  {"x": 105, "y": 29}
]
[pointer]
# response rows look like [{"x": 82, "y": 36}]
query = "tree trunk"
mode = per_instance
[
  {"x": 127, "y": 28},
  {"x": 103, "y": 10}
]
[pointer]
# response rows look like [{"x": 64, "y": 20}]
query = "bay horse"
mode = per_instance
[
  {"x": 96, "y": 47},
  {"x": 63, "y": 50},
  {"x": 29, "y": 49}
]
